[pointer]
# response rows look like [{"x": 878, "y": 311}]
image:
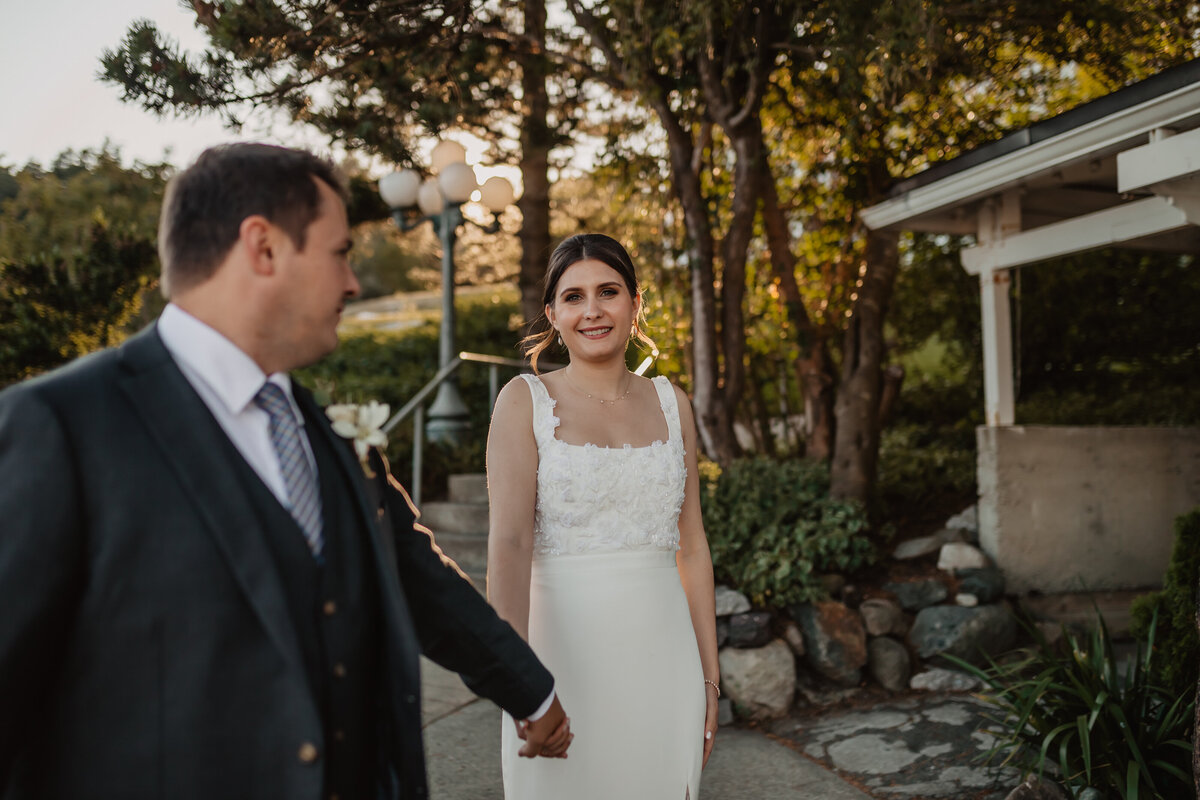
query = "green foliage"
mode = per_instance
[
  {"x": 52, "y": 212},
  {"x": 1095, "y": 722},
  {"x": 77, "y": 254},
  {"x": 773, "y": 530},
  {"x": 1175, "y": 609},
  {"x": 53, "y": 311},
  {"x": 391, "y": 367},
  {"x": 921, "y": 464},
  {"x": 1103, "y": 320}
]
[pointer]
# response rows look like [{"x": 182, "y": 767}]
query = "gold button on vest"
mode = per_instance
[{"x": 307, "y": 753}]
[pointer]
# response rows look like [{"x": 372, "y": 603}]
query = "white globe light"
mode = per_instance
[
  {"x": 497, "y": 194},
  {"x": 429, "y": 198},
  {"x": 447, "y": 152},
  {"x": 457, "y": 181},
  {"x": 399, "y": 190}
]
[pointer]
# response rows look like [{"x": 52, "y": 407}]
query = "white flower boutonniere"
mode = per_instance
[{"x": 361, "y": 424}]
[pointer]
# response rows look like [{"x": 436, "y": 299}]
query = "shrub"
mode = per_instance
[
  {"x": 392, "y": 366},
  {"x": 1175, "y": 609},
  {"x": 920, "y": 464},
  {"x": 773, "y": 529},
  {"x": 1097, "y": 724}
]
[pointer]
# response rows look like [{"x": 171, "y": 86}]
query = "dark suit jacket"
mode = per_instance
[{"x": 145, "y": 647}]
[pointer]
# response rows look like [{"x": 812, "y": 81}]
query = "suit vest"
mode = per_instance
[{"x": 334, "y": 604}]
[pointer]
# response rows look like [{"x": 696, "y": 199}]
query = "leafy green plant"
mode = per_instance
[
  {"x": 1175, "y": 609},
  {"x": 773, "y": 528},
  {"x": 1098, "y": 724},
  {"x": 920, "y": 463}
]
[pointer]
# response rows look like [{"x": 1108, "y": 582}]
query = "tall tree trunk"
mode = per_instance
[
  {"x": 535, "y": 151},
  {"x": 746, "y": 142},
  {"x": 814, "y": 369},
  {"x": 713, "y": 420},
  {"x": 856, "y": 447}
]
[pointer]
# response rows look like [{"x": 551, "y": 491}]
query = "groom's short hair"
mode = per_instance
[{"x": 205, "y": 204}]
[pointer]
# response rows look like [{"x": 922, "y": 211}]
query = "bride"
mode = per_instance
[{"x": 596, "y": 549}]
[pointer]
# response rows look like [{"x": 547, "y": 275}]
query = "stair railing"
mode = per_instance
[{"x": 416, "y": 406}]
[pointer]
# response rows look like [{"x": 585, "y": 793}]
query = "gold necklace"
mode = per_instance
[{"x": 602, "y": 401}]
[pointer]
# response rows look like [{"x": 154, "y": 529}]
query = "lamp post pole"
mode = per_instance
[
  {"x": 440, "y": 201},
  {"x": 448, "y": 416}
]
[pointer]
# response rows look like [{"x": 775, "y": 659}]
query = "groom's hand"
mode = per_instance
[{"x": 550, "y": 735}]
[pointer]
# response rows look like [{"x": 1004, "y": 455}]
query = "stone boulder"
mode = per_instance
[
  {"x": 966, "y": 521},
  {"x": 752, "y": 629},
  {"x": 760, "y": 681},
  {"x": 922, "y": 546},
  {"x": 967, "y": 633},
  {"x": 722, "y": 631},
  {"x": 793, "y": 637},
  {"x": 724, "y": 712},
  {"x": 1035, "y": 788},
  {"x": 944, "y": 680},
  {"x": 889, "y": 663},
  {"x": 835, "y": 643},
  {"x": 915, "y": 595},
  {"x": 986, "y": 583},
  {"x": 960, "y": 555},
  {"x": 883, "y": 617},
  {"x": 729, "y": 602}
]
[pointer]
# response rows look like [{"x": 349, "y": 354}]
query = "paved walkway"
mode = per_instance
[
  {"x": 915, "y": 747},
  {"x": 462, "y": 743}
]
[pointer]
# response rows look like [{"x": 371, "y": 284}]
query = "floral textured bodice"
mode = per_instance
[{"x": 603, "y": 499}]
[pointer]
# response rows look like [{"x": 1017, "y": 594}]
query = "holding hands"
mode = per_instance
[{"x": 549, "y": 735}]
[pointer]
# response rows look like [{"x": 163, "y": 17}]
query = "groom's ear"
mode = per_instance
[{"x": 257, "y": 240}]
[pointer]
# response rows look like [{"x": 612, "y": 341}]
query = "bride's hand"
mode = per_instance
[{"x": 710, "y": 722}]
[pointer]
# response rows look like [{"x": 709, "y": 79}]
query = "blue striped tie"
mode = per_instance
[{"x": 293, "y": 463}]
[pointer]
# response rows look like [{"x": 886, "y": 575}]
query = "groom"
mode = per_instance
[{"x": 203, "y": 594}]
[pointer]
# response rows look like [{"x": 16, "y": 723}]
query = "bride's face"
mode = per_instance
[{"x": 593, "y": 310}]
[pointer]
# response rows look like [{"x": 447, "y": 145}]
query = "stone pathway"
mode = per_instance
[{"x": 924, "y": 746}]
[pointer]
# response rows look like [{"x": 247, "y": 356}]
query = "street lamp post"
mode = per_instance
[{"x": 439, "y": 200}]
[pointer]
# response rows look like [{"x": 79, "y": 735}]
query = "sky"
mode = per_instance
[{"x": 51, "y": 99}]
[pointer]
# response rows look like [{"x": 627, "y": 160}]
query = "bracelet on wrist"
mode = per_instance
[{"x": 714, "y": 685}]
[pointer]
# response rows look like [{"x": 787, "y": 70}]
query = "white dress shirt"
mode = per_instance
[{"x": 227, "y": 380}]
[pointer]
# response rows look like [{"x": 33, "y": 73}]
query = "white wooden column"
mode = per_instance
[
  {"x": 997, "y": 347},
  {"x": 998, "y": 218}
]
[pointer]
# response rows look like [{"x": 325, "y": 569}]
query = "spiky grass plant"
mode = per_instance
[{"x": 1095, "y": 723}]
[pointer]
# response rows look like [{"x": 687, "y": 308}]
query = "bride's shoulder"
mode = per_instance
[
  {"x": 515, "y": 397},
  {"x": 680, "y": 395}
]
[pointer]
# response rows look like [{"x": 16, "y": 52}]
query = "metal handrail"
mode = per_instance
[{"x": 417, "y": 409}]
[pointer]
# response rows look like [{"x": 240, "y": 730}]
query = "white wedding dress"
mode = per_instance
[{"x": 608, "y": 616}]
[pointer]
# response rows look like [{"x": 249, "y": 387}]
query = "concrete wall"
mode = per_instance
[{"x": 1083, "y": 509}]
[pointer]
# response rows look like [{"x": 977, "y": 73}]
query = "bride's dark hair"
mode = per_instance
[{"x": 578, "y": 248}]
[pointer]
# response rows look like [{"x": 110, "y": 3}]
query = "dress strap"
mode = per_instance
[
  {"x": 670, "y": 407},
  {"x": 544, "y": 421}
]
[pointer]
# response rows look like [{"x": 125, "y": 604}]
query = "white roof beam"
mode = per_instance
[
  {"x": 1111, "y": 226},
  {"x": 1166, "y": 159}
]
